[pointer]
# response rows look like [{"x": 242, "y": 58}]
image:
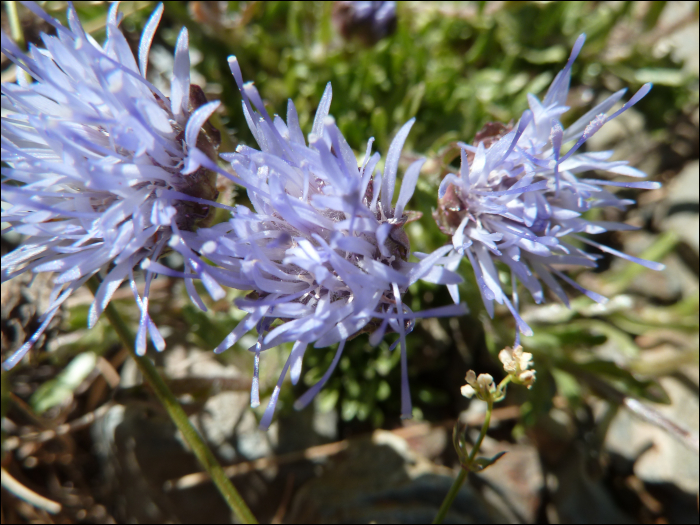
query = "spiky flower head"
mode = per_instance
[
  {"x": 95, "y": 155},
  {"x": 323, "y": 251},
  {"x": 519, "y": 198}
]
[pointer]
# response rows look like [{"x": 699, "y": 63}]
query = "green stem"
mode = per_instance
[
  {"x": 177, "y": 414},
  {"x": 16, "y": 33},
  {"x": 482, "y": 434},
  {"x": 459, "y": 480},
  {"x": 451, "y": 495},
  {"x": 15, "y": 25},
  {"x": 501, "y": 388}
]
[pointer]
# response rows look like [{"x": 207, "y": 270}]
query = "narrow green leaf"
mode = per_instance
[
  {"x": 61, "y": 388},
  {"x": 482, "y": 463}
]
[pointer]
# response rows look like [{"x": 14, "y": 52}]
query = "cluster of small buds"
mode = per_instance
[
  {"x": 517, "y": 364},
  {"x": 482, "y": 386}
]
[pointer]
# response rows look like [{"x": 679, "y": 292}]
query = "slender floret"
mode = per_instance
[
  {"x": 95, "y": 157},
  {"x": 518, "y": 198},
  {"x": 323, "y": 251}
]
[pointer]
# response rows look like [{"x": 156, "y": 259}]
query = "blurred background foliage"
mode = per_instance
[{"x": 454, "y": 66}]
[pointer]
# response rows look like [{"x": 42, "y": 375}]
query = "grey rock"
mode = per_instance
[
  {"x": 380, "y": 480},
  {"x": 515, "y": 482},
  {"x": 681, "y": 206},
  {"x": 663, "y": 459}
]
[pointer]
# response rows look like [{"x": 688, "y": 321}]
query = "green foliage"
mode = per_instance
[
  {"x": 482, "y": 463},
  {"x": 60, "y": 389}
]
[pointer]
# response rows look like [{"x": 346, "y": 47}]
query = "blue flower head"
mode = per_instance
[
  {"x": 95, "y": 157},
  {"x": 323, "y": 250},
  {"x": 519, "y": 197}
]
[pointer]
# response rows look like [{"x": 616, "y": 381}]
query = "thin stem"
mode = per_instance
[
  {"x": 177, "y": 414},
  {"x": 482, "y": 434},
  {"x": 15, "y": 25},
  {"x": 16, "y": 33},
  {"x": 451, "y": 495},
  {"x": 459, "y": 480},
  {"x": 501, "y": 388}
]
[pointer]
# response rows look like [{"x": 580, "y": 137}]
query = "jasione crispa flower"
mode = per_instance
[
  {"x": 95, "y": 157},
  {"x": 520, "y": 196}
]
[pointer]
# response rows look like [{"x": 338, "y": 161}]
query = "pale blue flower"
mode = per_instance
[
  {"x": 323, "y": 250},
  {"x": 519, "y": 198},
  {"x": 95, "y": 155}
]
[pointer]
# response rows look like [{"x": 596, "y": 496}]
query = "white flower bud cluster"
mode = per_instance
[
  {"x": 517, "y": 364},
  {"x": 482, "y": 386}
]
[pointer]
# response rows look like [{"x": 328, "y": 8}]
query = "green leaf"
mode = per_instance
[
  {"x": 620, "y": 280},
  {"x": 349, "y": 408},
  {"x": 433, "y": 396},
  {"x": 567, "y": 385},
  {"x": 56, "y": 391},
  {"x": 551, "y": 55},
  {"x": 459, "y": 441},
  {"x": 206, "y": 330},
  {"x": 653, "y": 14},
  {"x": 383, "y": 391},
  {"x": 482, "y": 463},
  {"x": 595, "y": 328},
  {"x": 621, "y": 379},
  {"x": 662, "y": 76},
  {"x": 326, "y": 400}
]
